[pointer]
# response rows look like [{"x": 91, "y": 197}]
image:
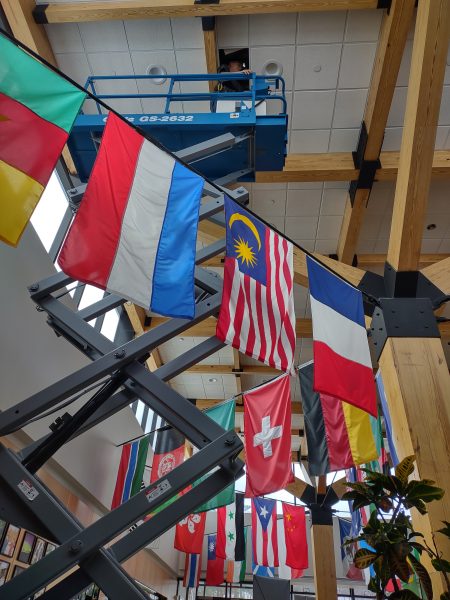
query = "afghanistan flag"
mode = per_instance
[
  {"x": 339, "y": 435},
  {"x": 37, "y": 111}
]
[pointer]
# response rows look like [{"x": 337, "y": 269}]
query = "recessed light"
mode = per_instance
[
  {"x": 212, "y": 380},
  {"x": 272, "y": 68},
  {"x": 157, "y": 70},
  {"x": 431, "y": 226},
  {"x": 181, "y": 339}
]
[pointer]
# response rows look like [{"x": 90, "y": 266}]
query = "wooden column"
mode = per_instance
[
  {"x": 419, "y": 133},
  {"x": 210, "y": 41},
  {"x": 394, "y": 31},
  {"x": 324, "y": 565},
  {"x": 417, "y": 385}
]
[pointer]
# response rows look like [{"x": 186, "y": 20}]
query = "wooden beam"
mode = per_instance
[
  {"x": 339, "y": 166},
  {"x": 324, "y": 561},
  {"x": 78, "y": 12},
  {"x": 439, "y": 274},
  {"x": 210, "y": 42},
  {"x": 296, "y": 488},
  {"x": 137, "y": 315},
  {"x": 423, "y": 102},
  {"x": 417, "y": 382},
  {"x": 19, "y": 14}
]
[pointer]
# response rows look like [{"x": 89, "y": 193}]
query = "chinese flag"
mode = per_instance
[
  {"x": 267, "y": 426},
  {"x": 189, "y": 533},
  {"x": 295, "y": 536}
]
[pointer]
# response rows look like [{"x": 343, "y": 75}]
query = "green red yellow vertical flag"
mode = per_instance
[{"x": 37, "y": 111}]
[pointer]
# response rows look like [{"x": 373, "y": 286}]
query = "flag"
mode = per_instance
[
  {"x": 192, "y": 568},
  {"x": 348, "y": 552},
  {"x": 387, "y": 418},
  {"x": 236, "y": 568},
  {"x": 131, "y": 471},
  {"x": 264, "y": 532},
  {"x": 343, "y": 367},
  {"x": 263, "y": 571},
  {"x": 257, "y": 313},
  {"x": 230, "y": 530},
  {"x": 215, "y": 565},
  {"x": 295, "y": 536},
  {"x": 339, "y": 435},
  {"x": 284, "y": 571},
  {"x": 224, "y": 415},
  {"x": 168, "y": 453},
  {"x": 189, "y": 533},
  {"x": 267, "y": 426},
  {"x": 37, "y": 111},
  {"x": 136, "y": 229}
]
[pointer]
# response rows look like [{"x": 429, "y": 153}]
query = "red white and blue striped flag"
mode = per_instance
[
  {"x": 131, "y": 471},
  {"x": 264, "y": 532},
  {"x": 342, "y": 363},
  {"x": 257, "y": 314},
  {"x": 192, "y": 568}
]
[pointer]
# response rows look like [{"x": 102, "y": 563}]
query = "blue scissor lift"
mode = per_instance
[{"x": 249, "y": 128}]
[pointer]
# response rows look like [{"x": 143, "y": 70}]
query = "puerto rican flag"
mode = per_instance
[
  {"x": 342, "y": 363},
  {"x": 264, "y": 532}
]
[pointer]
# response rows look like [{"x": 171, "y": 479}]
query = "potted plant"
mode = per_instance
[{"x": 393, "y": 547}]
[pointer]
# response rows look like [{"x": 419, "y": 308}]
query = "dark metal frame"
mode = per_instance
[{"x": 25, "y": 500}]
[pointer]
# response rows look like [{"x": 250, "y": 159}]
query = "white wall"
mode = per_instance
[{"x": 33, "y": 357}]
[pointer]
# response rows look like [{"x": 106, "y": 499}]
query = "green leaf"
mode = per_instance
[
  {"x": 382, "y": 569},
  {"x": 404, "y": 595},
  {"x": 440, "y": 564},
  {"x": 445, "y": 596},
  {"x": 399, "y": 565},
  {"x": 423, "y": 576},
  {"x": 424, "y": 490},
  {"x": 405, "y": 468},
  {"x": 364, "y": 558},
  {"x": 445, "y": 530}
]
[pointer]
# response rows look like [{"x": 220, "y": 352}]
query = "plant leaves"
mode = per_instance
[
  {"x": 423, "y": 576},
  {"x": 445, "y": 530},
  {"x": 404, "y": 595},
  {"x": 399, "y": 564},
  {"x": 424, "y": 490},
  {"x": 445, "y": 596},
  {"x": 404, "y": 469},
  {"x": 440, "y": 564},
  {"x": 364, "y": 558}
]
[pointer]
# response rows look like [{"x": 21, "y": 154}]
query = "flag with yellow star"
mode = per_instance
[
  {"x": 295, "y": 536},
  {"x": 257, "y": 313}
]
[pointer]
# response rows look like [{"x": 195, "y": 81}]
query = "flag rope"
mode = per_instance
[{"x": 154, "y": 141}]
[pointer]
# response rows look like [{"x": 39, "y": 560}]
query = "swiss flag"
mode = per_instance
[
  {"x": 189, "y": 534},
  {"x": 267, "y": 426}
]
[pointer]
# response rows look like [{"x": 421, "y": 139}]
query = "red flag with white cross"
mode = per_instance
[{"x": 267, "y": 427}]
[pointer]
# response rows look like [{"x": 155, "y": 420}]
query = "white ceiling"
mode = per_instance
[{"x": 327, "y": 60}]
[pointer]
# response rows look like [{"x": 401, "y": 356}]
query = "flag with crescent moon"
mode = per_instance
[{"x": 257, "y": 314}]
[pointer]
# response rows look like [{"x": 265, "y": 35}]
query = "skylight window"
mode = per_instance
[{"x": 50, "y": 211}]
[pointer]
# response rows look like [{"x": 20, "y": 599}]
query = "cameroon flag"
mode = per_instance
[{"x": 37, "y": 111}]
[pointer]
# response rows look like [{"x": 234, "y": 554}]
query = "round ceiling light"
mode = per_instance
[
  {"x": 272, "y": 68},
  {"x": 157, "y": 70},
  {"x": 212, "y": 380}
]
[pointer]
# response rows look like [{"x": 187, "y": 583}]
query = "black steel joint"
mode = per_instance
[
  {"x": 385, "y": 4},
  {"x": 208, "y": 23},
  {"x": 321, "y": 514},
  {"x": 367, "y": 168},
  {"x": 39, "y": 14}
]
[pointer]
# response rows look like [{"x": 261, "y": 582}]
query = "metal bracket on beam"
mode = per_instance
[
  {"x": 321, "y": 514},
  {"x": 385, "y": 4},
  {"x": 410, "y": 284},
  {"x": 208, "y": 23},
  {"x": 405, "y": 318},
  {"x": 39, "y": 14},
  {"x": 367, "y": 168}
]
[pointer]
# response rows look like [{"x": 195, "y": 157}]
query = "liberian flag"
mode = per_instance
[
  {"x": 343, "y": 367},
  {"x": 131, "y": 471},
  {"x": 264, "y": 532},
  {"x": 192, "y": 568},
  {"x": 339, "y": 435},
  {"x": 37, "y": 111},
  {"x": 257, "y": 313},
  {"x": 135, "y": 231}
]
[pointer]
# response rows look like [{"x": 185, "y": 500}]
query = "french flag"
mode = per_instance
[
  {"x": 342, "y": 363},
  {"x": 135, "y": 231}
]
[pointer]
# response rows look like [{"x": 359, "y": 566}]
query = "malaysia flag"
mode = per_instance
[
  {"x": 343, "y": 367},
  {"x": 257, "y": 314},
  {"x": 264, "y": 532}
]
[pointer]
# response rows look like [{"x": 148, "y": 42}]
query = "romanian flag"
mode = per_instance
[
  {"x": 339, "y": 435},
  {"x": 37, "y": 111}
]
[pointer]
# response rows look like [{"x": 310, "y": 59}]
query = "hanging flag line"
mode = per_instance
[{"x": 154, "y": 141}]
